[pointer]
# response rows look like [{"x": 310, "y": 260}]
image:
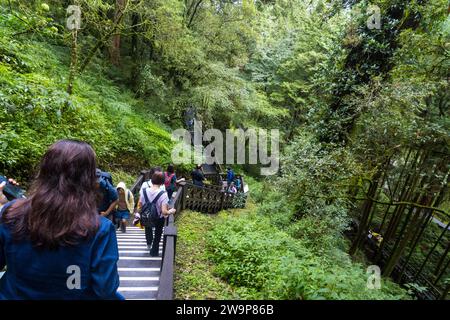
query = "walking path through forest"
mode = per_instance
[
  {"x": 147, "y": 278},
  {"x": 139, "y": 273}
]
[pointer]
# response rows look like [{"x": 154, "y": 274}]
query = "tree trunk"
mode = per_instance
[
  {"x": 406, "y": 192},
  {"x": 115, "y": 48},
  {"x": 412, "y": 227},
  {"x": 366, "y": 210},
  {"x": 101, "y": 42},
  {"x": 73, "y": 62},
  {"x": 394, "y": 192}
]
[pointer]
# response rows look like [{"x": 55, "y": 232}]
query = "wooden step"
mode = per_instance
[{"x": 139, "y": 272}]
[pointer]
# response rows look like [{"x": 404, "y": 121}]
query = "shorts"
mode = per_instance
[{"x": 122, "y": 214}]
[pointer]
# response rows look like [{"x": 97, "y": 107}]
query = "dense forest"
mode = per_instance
[{"x": 358, "y": 89}]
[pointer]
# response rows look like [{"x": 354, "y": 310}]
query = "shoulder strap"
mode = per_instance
[
  {"x": 158, "y": 196},
  {"x": 145, "y": 195}
]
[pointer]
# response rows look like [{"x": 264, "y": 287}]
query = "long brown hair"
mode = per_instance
[{"x": 61, "y": 207}]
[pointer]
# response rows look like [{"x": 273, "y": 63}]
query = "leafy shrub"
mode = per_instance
[
  {"x": 256, "y": 189},
  {"x": 249, "y": 252},
  {"x": 194, "y": 277},
  {"x": 317, "y": 234},
  {"x": 277, "y": 209}
]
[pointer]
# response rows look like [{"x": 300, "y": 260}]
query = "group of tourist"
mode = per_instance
[
  {"x": 58, "y": 242},
  {"x": 66, "y": 227},
  {"x": 233, "y": 181},
  {"x": 117, "y": 203}
]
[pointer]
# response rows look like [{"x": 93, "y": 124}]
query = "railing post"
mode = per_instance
[
  {"x": 222, "y": 200},
  {"x": 165, "y": 291}
]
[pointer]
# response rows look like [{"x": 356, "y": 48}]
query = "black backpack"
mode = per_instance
[{"x": 149, "y": 212}]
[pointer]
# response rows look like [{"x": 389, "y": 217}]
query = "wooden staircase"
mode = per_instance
[
  {"x": 139, "y": 273},
  {"x": 145, "y": 278}
]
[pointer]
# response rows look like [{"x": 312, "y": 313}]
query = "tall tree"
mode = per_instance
[{"x": 118, "y": 16}]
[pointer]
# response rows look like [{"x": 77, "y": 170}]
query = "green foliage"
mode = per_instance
[
  {"x": 345, "y": 97},
  {"x": 256, "y": 189},
  {"x": 35, "y": 111},
  {"x": 194, "y": 277},
  {"x": 249, "y": 252},
  {"x": 289, "y": 60},
  {"x": 122, "y": 176},
  {"x": 312, "y": 212}
]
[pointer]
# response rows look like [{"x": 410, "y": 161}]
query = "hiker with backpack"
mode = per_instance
[
  {"x": 154, "y": 210},
  {"x": 148, "y": 183},
  {"x": 107, "y": 196},
  {"x": 170, "y": 180},
  {"x": 124, "y": 206}
]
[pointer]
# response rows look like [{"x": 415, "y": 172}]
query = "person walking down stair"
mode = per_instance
[
  {"x": 238, "y": 182},
  {"x": 107, "y": 196},
  {"x": 46, "y": 244},
  {"x": 232, "y": 188},
  {"x": 124, "y": 207},
  {"x": 161, "y": 201},
  {"x": 148, "y": 183}
]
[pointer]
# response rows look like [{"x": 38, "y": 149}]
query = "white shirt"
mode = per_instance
[{"x": 148, "y": 184}]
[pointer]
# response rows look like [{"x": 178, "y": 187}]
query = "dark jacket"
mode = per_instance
[{"x": 197, "y": 177}]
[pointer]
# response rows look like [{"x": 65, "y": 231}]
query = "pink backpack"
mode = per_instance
[{"x": 168, "y": 180}]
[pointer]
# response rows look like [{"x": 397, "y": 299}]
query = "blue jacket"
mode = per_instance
[
  {"x": 109, "y": 195},
  {"x": 230, "y": 176},
  {"x": 42, "y": 274}
]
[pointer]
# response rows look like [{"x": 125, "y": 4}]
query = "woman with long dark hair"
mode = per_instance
[{"x": 54, "y": 243}]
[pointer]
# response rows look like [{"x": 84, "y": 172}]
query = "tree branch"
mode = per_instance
[{"x": 194, "y": 13}]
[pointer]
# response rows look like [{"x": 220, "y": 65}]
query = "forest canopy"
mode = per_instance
[{"x": 358, "y": 89}]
